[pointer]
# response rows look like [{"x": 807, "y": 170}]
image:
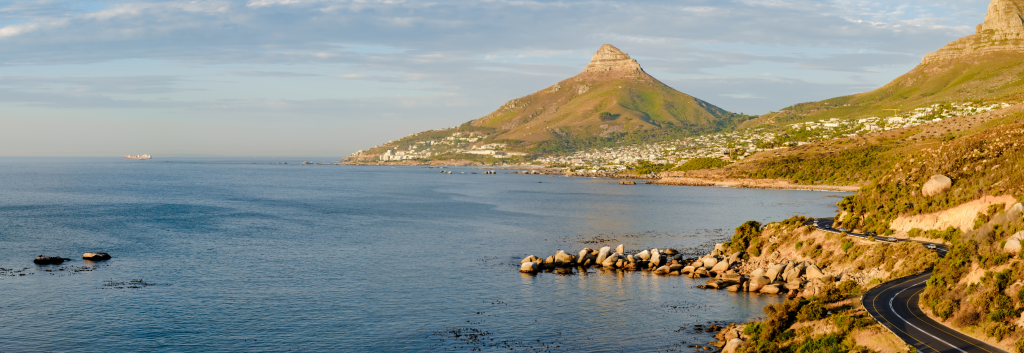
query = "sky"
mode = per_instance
[{"x": 329, "y": 77}]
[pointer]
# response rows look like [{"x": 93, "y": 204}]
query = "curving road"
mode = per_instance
[{"x": 895, "y": 305}]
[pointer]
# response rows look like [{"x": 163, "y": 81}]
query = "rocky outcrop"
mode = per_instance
[
  {"x": 96, "y": 256},
  {"x": 610, "y": 59},
  {"x": 1002, "y": 31},
  {"x": 1013, "y": 244},
  {"x": 936, "y": 185},
  {"x": 49, "y": 260}
]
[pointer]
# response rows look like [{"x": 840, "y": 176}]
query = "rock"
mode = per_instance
[
  {"x": 710, "y": 261},
  {"x": 530, "y": 258},
  {"x": 563, "y": 259},
  {"x": 49, "y": 260},
  {"x": 687, "y": 269},
  {"x": 720, "y": 267},
  {"x": 610, "y": 261},
  {"x": 733, "y": 345},
  {"x": 644, "y": 255},
  {"x": 796, "y": 285},
  {"x": 550, "y": 260},
  {"x": 757, "y": 273},
  {"x": 774, "y": 272},
  {"x": 735, "y": 257},
  {"x": 619, "y": 263},
  {"x": 529, "y": 267},
  {"x": 716, "y": 253},
  {"x": 670, "y": 252},
  {"x": 734, "y": 288},
  {"x": 701, "y": 272},
  {"x": 620, "y": 250},
  {"x": 630, "y": 259},
  {"x": 756, "y": 283},
  {"x": 96, "y": 256},
  {"x": 827, "y": 279},
  {"x": 770, "y": 289},
  {"x": 813, "y": 272},
  {"x": 676, "y": 268},
  {"x": 663, "y": 270},
  {"x": 655, "y": 258},
  {"x": 603, "y": 254},
  {"x": 936, "y": 185},
  {"x": 1013, "y": 244},
  {"x": 844, "y": 278},
  {"x": 721, "y": 247},
  {"x": 1016, "y": 210}
]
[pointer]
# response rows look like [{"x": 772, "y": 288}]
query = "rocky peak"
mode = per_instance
[
  {"x": 610, "y": 59},
  {"x": 1005, "y": 18}
]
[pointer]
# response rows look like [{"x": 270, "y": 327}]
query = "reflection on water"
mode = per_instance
[{"x": 261, "y": 257}]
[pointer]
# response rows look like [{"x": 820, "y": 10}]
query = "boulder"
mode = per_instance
[
  {"x": 710, "y": 261},
  {"x": 1013, "y": 244},
  {"x": 813, "y": 272},
  {"x": 701, "y": 272},
  {"x": 845, "y": 278},
  {"x": 670, "y": 252},
  {"x": 630, "y": 259},
  {"x": 733, "y": 345},
  {"x": 827, "y": 279},
  {"x": 530, "y": 258},
  {"x": 620, "y": 250},
  {"x": 734, "y": 288},
  {"x": 529, "y": 267},
  {"x": 619, "y": 263},
  {"x": 756, "y": 283},
  {"x": 611, "y": 260},
  {"x": 774, "y": 272},
  {"x": 96, "y": 256},
  {"x": 687, "y": 269},
  {"x": 49, "y": 260},
  {"x": 721, "y": 247},
  {"x": 644, "y": 255},
  {"x": 770, "y": 289},
  {"x": 720, "y": 267},
  {"x": 734, "y": 257},
  {"x": 663, "y": 270},
  {"x": 655, "y": 258},
  {"x": 603, "y": 254},
  {"x": 796, "y": 285},
  {"x": 757, "y": 273},
  {"x": 936, "y": 185},
  {"x": 563, "y": 259},
  {"x": 676, "y": 268}
]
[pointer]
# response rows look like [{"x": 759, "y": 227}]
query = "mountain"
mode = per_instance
[
  {"x": 986, "y": 66},
  {"x": 612, "y": 101}
]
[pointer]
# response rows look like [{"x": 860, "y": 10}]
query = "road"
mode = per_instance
[{"x": 895, "y": 305}]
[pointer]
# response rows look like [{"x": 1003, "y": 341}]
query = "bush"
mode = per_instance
[
  {"x": 799, "y": 244},
  {"x": 944, "y": 309},
  {"x": 744, "y": 235},
  {"x": 813, "y": 311},
  {"x": 832, "y": 343},
  {"x": 847, "y": 244},
  {"x": 701, "y": 163}
]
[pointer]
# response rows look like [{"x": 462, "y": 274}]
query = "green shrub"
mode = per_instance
[
  {"x": 744, "y": 235},
  {"x": 813, "y": 311},
  {"x": 799, "y": 244},
  {"x": 847, "y": 244},
  {"x": 701, "y": 163}
]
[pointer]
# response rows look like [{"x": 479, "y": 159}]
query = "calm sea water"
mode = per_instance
[{"x": 242, "y": 255}]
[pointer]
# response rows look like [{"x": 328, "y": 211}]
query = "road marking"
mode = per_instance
[
  {"x": 940, "y": 329},
  {"x": 875, "y": 306},
  {"x": 914, "y": 326}
]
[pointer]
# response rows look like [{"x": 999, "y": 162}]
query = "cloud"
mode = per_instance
[{"x": 450, "y": 60}]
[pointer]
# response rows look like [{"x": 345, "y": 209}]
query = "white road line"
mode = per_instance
[{"x": 912, "y": 325}]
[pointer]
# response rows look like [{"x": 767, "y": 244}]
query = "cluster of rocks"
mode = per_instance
[
  {"x": 796, "y": 279},
  {"x": 665, "y": 262},
  {"x": 57, "y": 260}
]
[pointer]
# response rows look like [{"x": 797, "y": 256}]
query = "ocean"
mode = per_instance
[{"x": 244, "y": 254}]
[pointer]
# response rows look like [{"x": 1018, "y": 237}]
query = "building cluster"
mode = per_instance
[{"x": 732, "y": 146}]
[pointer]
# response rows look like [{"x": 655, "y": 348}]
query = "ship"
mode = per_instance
[{"x": 138, "y": 156}]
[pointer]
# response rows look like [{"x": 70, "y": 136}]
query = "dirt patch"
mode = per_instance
[
  {"x": 879, "y": 341},
  {"x": 961, "y": 217}
]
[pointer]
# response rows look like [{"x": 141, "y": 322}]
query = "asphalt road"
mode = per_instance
[{"x": 895, "y": 305}]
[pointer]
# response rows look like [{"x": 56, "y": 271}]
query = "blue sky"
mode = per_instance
[{"x": 323, "y": 77}]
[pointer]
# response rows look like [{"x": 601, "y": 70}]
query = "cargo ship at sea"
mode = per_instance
[{"x": 138, "y": 156}]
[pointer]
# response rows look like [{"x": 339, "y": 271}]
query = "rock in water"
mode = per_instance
[
  {"x": 603, "y": 254},
  {"x": 655, "y": 258},
  {"x": 770, "y": 289},
  {"x": 530, "y": 258},
  {"x": 1013, "y": 244},
  {"x": 774, "y": 272},
  {"x": 610, "y": 261},
  {"x": 757, "y": 273},
  {"x": 620, "y": 250},
  {"x": 720, "y": 267},
  {"x": 644, "y": 255},
  {"x": 671, "y": 252},
  {"x": 529, "y": 267},
  {"x": 710, "y": 261},
  {"x": 96, "y": 256},
  {"x": 49, "y": 260},
  {"x": 563, "y": 259},
  {"x": 756, "y": 283},
  {"x": 733, "y": 345},
  {"x": 936, "y": 185}
]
